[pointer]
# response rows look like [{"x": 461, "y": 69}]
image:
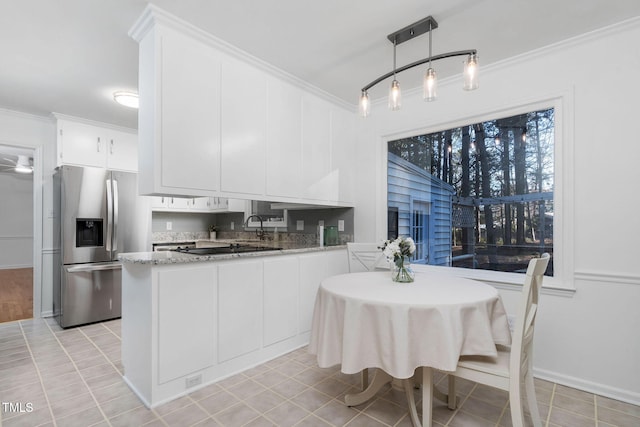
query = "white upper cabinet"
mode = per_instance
[
  {"x": 343, "y": 155},
  {"x": 179, "y": 118},
  {"x": 316, "y": 149},
  {"x": 244, "y": 117},
  {"x": 284, "y": 139},
  {"x": 215, "y": 121},
  {"x": 85, "y": 144}
]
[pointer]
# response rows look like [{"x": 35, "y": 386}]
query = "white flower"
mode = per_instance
[{"x": 394, "y": 249}]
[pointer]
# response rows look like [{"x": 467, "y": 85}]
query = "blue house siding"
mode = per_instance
[{"x": 410, "y": 188}]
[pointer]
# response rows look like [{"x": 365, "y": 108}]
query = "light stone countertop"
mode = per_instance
[{"x": 170, "y": 257}]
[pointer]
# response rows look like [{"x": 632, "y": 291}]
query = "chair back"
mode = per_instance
[
  {"x": 522, "y": 339},
  {"x": 365, "y": 257}
]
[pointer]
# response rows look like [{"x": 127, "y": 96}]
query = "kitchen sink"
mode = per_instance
[{"x": 230, "y": 249}]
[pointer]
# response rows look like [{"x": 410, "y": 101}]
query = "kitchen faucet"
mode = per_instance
[{"x": 262, "y": 234}]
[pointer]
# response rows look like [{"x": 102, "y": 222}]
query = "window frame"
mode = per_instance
[{"x": 562, "y": 282}]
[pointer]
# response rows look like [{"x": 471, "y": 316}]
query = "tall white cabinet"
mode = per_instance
[{"x": 218, "y": 122}]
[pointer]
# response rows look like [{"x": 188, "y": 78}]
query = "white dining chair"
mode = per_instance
[
  {"x": 365, "y": 257},
  {"x": 513, "y": 366}
]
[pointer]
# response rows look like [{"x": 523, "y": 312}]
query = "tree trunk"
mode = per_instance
[
  {"x": 468, "y": 238},
  {"x": 521, "y": 180},
  {"x": 506, "y": 186},
  {"x": 485, "y": 168}
]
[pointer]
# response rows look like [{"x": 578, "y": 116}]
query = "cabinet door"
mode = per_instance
[
  {"x": 239, "y": 308},
  {"x": 81, "y": 144},
  {"x": 244, "y": 105},
  {"x": 313, "y": 269},
  {"x": 122, "y": 151},
  {"x": 280, "y": 298},
  {"x": 284, "y": 140},
  {"x": 316, "y": 124},
  {"x": 186, "y": 321},
  {"x": 159, "y": 203},
  {"x": 200, "y": 204},
  {"x": 189, "y": 115},
  {"x": 343, "y": 154},
  {"x": 337, "y": 262},
  {"x": 178, "y": 203}
]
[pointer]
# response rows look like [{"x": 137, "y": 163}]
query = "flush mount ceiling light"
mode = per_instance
[
  {"x": 128, "y": 99},
  {"x": 430, "y": 82}
]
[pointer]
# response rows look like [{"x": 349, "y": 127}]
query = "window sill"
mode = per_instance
[{"x": 507, "y": 281}]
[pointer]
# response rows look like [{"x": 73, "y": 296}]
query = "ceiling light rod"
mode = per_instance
[{"x": 420, "y": 62}]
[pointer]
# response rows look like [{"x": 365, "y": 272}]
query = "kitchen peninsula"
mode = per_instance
[{"x": 191, "y": 320}]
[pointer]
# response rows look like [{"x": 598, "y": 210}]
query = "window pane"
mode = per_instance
[{"x": 478, "y": 196}]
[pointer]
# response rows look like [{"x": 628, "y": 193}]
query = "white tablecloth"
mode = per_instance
[{"x": 365, "y": 320}]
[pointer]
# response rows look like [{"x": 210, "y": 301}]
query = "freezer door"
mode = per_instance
[
  {"x": 90, "y": 293},
  {"x": 83, "y": 214}
]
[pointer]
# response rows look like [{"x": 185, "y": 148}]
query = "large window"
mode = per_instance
[{"x": 477, "y": 196}]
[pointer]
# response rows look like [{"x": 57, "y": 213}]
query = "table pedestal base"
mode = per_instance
[{"x": 424, "y": 376}]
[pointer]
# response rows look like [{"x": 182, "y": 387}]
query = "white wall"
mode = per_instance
[
  {"x": 37, "y": 133},
  {"x": 16, "y": 220},
  {"x": 589, "y": 339}
]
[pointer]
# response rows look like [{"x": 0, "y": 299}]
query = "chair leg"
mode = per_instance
[
  {"x": 364, "y": 377},
  {"x": 515, "y": 403},
  {"x": 451, "y": 394},
  {"x": 532, "y": 402}
]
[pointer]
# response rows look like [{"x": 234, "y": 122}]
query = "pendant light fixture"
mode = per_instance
[
  {"x": 365, "y": 105},
  {"x": 471, "y": 72},
  {"x": 395, "y": 95},
  {"x": 430, "y": 82}
]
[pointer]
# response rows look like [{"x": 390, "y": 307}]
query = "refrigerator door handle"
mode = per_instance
[
  {"x": 109, "y": 215},
  {"x": 93, "y": 267},
  {"x": 115, "y": 215}
]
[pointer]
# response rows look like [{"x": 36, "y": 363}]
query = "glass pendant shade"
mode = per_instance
[
  {"x": 471, "y": 73},
  {"x": 430, "y": 85},
  {"x": 395, "y": 96},
  {"x": 365, "y": 105}
]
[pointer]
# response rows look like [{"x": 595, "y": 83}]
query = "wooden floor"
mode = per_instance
[{"x": 16, "y": 294}]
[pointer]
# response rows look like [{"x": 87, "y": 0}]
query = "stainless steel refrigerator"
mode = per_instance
[{"x": 100, "y": 215}]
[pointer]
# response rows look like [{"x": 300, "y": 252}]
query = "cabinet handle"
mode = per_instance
[
  {"x": 111, "y": 146},
  {"x": 162, "y": 200},
  {"x": 98, "y": 144}
]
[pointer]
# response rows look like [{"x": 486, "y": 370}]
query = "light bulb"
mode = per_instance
[
  {"x": 471, "y": 72},
  {"x": 365, "y": 105},
  {"x": 430, "y": 85},
  {"x": 395, "y": 96}
]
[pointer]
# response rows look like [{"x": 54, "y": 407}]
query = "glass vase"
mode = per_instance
[{"x": 401, "y": 271}]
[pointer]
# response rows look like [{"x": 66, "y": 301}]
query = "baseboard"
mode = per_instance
[
  {"x": 46, "y": 313},
  {"x": 622, "y": 395},
  {"x": 15, "y": 266}
]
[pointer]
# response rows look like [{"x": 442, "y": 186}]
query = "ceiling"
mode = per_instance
[{"x": 69, "y": 56}]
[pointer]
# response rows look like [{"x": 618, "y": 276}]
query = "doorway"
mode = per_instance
[{"x": 16, "y": 233}]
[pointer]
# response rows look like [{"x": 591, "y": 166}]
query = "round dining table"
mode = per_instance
[{"x": 366, "y": 320}]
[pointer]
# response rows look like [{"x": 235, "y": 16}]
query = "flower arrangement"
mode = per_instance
[
  {"x": 399, "y": 251},
  {"x": 398, "y": 248},
  {"x": 212, "y": 228}
]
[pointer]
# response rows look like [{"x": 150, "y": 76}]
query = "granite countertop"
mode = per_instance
[{"x": 170, "y": 257}]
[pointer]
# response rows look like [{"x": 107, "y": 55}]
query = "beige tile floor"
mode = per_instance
[{"x": 54, "y": 377}]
